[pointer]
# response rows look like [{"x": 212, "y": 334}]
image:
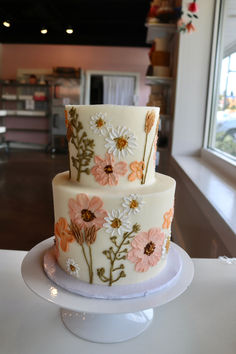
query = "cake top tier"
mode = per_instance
[{"x": 112, "y": 146}]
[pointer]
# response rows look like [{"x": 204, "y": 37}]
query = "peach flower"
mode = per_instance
[
  {"x": 107, "y": 171},
  {"x": 85, "y": 212},
  {"x": 146, "y": 249},
  {"x": 190, "y": 27},
  {"x": 168, "y": 216},
  {"x": 63, "y": 231},
  {"x": 137, "y": 170}
]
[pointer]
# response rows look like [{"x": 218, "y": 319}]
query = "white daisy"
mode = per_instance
[
  {"x": 99, "y": 123},
  {"x": 121, "y": 142},
  {"x": 72, "y": 267},
  {"x": 133, "y": 204},
  {"x": 117, "y": 223}
]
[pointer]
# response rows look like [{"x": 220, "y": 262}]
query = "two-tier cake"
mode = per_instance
[{"x": 113, "y": 213}]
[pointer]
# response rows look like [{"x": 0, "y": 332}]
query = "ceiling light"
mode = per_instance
[
  {"x": 44, "y": 30},
  {"x": 6, "y": 23},
  {"x": 69, "y": 30}
]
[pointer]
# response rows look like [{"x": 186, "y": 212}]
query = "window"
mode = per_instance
[{"x": 222, "y": 132}]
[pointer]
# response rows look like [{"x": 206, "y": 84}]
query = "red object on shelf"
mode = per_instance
[{"x": 40, "y": 98}]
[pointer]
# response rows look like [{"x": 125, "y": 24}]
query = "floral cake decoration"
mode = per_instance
[
  {"x": 127, "y": 241},
  {"x": 119, "y": 142},
  {"x": 83, "y": 145},
  {"x": 106, "y": 171}
]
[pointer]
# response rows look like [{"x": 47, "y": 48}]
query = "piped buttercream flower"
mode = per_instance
[
  {"x": 87, "y": 212},
  {"x": 63, "y": 231},
  {"x": 117, "y": 223},
  {"x": 133, "y": 204},
  {"x": 121, "y": 142},
  {"x": 106, "y": 171},
  {"x": 146, "y": 249},
  {"x": 72, "y": 267},
  {"x": 168, "y": 216},
  {"x": 137, "y": 170},
  {"x": 99, "y": 123}
]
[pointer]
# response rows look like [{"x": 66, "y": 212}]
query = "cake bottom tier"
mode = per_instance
[{"x": 113, "y": 237}]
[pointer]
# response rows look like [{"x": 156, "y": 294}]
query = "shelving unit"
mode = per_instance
[
  {"x": 159, "y": 30},
  {"x": 167, "y": 85},
  {"x": 26, "y": 110}
]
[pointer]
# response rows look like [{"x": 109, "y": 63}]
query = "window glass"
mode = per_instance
[{"x": 223, "y": 121}]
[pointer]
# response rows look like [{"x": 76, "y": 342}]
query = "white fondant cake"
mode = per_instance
[{"x": 113, "y": 213}]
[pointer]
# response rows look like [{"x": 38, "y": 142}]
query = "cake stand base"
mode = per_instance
[
  {"x": 104, "y": 328},
  {"x": 102, "y": 320}
]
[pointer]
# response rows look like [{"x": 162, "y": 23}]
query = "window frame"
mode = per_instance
[{"x": 218, "y": 159}]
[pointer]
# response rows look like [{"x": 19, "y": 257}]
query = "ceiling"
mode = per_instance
[{"x": 95, "y": 22}]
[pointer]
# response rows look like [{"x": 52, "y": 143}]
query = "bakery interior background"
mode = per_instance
[{"x": 52, "y": 55}]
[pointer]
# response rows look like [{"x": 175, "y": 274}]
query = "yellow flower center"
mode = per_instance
[
  {"x": 100, "y": 123},
  {"x": 87, "y": 215},
  {"x": 133, "y": 204},
  {"x": 149, "y": 248},
  {"x": 108, "y": 169},
  {"x": 121, "y": 142},
  {"x": 72, "y": 268},
  {"x": 116, "y": 223}
]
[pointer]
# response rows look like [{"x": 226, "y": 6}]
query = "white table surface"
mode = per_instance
[{"x": 200, "y": 321}]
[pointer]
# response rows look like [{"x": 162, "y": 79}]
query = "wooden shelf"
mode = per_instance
[
  {"x": 155, "y": 80},
  {"x": 159, "y": 30}
]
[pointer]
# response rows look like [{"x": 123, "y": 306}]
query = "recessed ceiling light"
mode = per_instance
[
  {"x": 69, "y": 30},
  {"x": 6, "y": 23},
  {"x": 44, "y": 30}
]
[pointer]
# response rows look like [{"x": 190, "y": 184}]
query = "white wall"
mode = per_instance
[{"x": 192, "y": 83}]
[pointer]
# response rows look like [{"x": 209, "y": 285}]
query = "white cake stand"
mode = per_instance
[{"x": 101, "y": 320}]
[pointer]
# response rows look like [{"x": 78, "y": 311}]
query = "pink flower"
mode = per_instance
[
  {"x": 87, "y": 213},
  {"x": 190, "y": 27},
  {"x": 107, "y": 171},
  {"x": 193, "y": 7},
  {"x": 180, "y": 23},
  {"x": 146, "y": 249}
]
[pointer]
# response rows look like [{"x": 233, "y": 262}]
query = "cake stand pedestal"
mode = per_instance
[{"x": 101, "y": 320}]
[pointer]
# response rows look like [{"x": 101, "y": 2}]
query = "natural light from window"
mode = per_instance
[{"x": 223, "y": 127}]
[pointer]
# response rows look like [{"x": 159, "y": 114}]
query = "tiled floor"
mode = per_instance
[{"x": 26, "y": 207}]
